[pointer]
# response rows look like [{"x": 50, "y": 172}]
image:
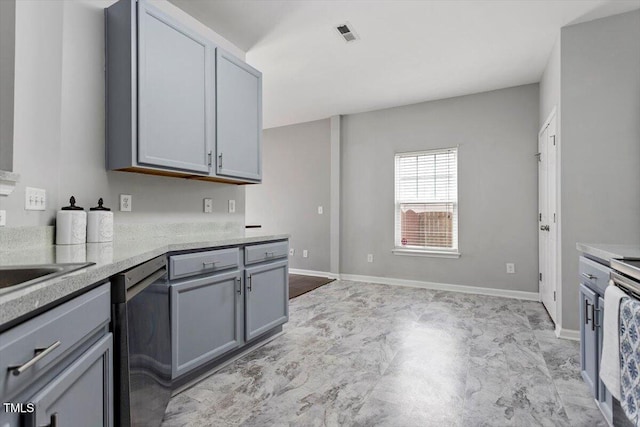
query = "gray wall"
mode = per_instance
[
  {"x": 497, "y": 137},
  {"x": 550, "y": 87},
  {"x": 59, "y": 126},
  {"x": 7, "y": 57},
  {"x": 296, "y": 180},
  {"x": 600, "y": 144}
]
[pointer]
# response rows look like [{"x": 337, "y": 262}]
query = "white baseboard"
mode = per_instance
[
  {"x": 505, "y": 293},
  {"x": 567, "y": 334},
  {"x": 314, "y": 273}
]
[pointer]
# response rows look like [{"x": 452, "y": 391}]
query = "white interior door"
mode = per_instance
[{"x": 547, "y": 216}]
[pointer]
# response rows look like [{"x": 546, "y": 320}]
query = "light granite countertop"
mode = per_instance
[
  {"x": 109, "y": 258},
  {"x": 607, "y": 252}
]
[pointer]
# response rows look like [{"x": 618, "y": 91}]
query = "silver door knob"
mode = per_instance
[{"x": 544, "y": 227}]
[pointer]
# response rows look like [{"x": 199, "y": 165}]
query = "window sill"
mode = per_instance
[{"x": 426, "y": 253}]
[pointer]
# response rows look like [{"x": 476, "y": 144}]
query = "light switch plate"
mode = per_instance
[
  {"x": 292, "y": 252},
  {"x": 35, "y": 199},
  {"x": 232, "y": 206},
  {"x": 208, "y": 205},
  {"x": 320, "y": 210},
  {"x": 511, "y": 268},
  {"x": 125, "y": 202},
  {"x": 3, "y": 218}
]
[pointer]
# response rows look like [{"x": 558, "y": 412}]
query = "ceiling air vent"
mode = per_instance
[{"x": 347, "y": 33}]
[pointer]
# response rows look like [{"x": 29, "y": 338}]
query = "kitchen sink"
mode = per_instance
[{"x": 18, "y": 275}]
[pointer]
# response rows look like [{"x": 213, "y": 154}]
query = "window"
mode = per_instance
[{"x": 426, "y": 202}]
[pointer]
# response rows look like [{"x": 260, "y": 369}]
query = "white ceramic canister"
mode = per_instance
[
  {"x": 71, "y": 224},
  {"x": 99, "y": 224}
]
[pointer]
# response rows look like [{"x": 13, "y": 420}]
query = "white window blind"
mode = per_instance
[{"x": 426, "y": 200}]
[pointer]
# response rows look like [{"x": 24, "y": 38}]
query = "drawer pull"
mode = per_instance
[
  {"x": 589, "y": 276},
  {"x": 269, "y": 254},
  {"x": 40, "y": 353},
  {"x": 212, "y": 263}
]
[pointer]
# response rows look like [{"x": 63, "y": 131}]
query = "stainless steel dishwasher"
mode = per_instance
[{"x": 142, "y": 344}]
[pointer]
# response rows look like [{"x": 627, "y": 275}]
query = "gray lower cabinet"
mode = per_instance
[
  {"x": 81, "y": 395},
  {"x": 267, "y": 297},
  {"x": 239, "y": 123},
  {"x": 206, "y": 319},
  {"x": 61, "y": 362},
  {"x": 605, "y": 399},
  {"x": 588, "y": 339}
]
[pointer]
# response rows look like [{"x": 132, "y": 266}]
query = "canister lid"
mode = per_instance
[
  {"x": 100, "y": 207},
  {"x": 72, "y": 205}
]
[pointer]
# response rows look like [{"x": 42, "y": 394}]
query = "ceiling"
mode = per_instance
[{"x": 409, "y": 51}]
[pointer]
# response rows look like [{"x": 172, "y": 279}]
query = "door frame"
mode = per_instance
[{"x": 556, "y": 228}]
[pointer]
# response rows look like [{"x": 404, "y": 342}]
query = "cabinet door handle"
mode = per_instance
[
  {"x": 597, "y": 310},
  {"x": 586, "y": 312},
  {"x": 239, "y": 280},
  {"x": 210, "y": 155},
  {"x": 249, "y": 283},
  {"x": 40, "y": 353},
  {"x": 54, "y": 420},
  {"x": 593, "y": 317},
  {"x": 220, "y": 161}
]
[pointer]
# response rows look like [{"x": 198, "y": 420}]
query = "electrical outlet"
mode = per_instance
[
  {"x": 511, "y": 268},
  {"x": 320, "y": 210},
  {"x": 305, "y": 253},
  {"x": 3, "y": 218},
  {"x": 369, "y": 257},
  {"x": 292, "y": 252},
  {"x": 126, "y": 200},
  {"x": 208, "y": 205},
  {"x": 232, "y": 206},
  {"x": 35, "y": 199}
]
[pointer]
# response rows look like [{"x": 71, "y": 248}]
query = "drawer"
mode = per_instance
[
  {"x": 265, "y": 252},
  {"x": 69, "y": 324},
  {"x": 203, "y": 262},
  {"x": 593, "y": 274}
]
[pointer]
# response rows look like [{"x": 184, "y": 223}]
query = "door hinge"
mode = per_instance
[
  {"x": 554, "y": 217},
  {"x": 554, "y": 295},
  {"x": 541, "y": 277},
  {"x": 554, "y": 139},
  {"x": 540, "y": 217}
]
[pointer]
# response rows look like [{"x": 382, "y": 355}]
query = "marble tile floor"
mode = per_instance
[{"x": 361, "y": 354}]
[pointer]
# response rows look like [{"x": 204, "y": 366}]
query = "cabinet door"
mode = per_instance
[
  {"x": 176, "y": 93},
  {"x": 206, "y": 319},
  {"x": 239, "y": 124},
  {"x": 266, "y": 298},
  {"x": 588, "y": 339},
  {"x": 82, "y": 395},
  {"x": 604, "y": 396}
]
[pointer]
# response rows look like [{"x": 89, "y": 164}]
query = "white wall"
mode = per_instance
[
  {"x": 296, "y": 180},
  {"x": 59, "y": 123},
  {"x": 497, "y": 137},
  {"x": 600, "y": 143}
]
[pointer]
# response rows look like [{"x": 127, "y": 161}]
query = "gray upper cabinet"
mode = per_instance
[
  {"x": 175, "y": 77},
  {"x": 239, "y": 124},
  {"x": 171, "y": 93}
]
